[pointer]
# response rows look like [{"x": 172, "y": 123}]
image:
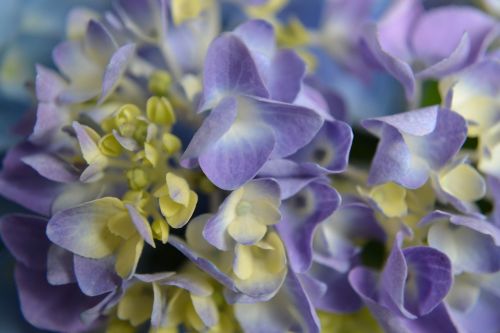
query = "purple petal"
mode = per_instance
[
  {"x": 453, "y": 63},
  {"x": 99, "y": 45},
  {"x": 83, "y": 229},
  {"x": 48, "y": 84},
  {"x": 364, "y": 282},
  {"x": 335, "y": 242},
  {"x": 393, "y": 162},
  {"x": 293, "y": 126},
  {"x": 483, "y": 316},
  {"x": 289, "y": 310},
  {"x": 96, "y": 277},
  {"x": 413, "y": 142},
  {"x": 339, "y": 295},
  {"x": 70, "y": 58},
  {"x": 60, "y": 266},
  {"x": 464, "y": 240},
  {"x": 430, "y": 272},
  {"x": 415, "y": 280},
  {"x": 55, "y": 308},
  {"x": 23, "y": 185},
  {"x": 394, "y": 66},
  {"x": 105, "y": 304},
  {"x": 258, "y": 36},
  {"x": 305, "y": 307},
  {"x": 290, "y": 176},
  {"x": 434, "y": 40},
  {"x": 49, "y": 121},
  {"x": 229, "y": 68},
  {"x": 136, "y": 16},
  {"x": 204, "y": 264},
  {"x": 238, "y": 155},
  {"x": 217, "y": 123},
  {"x": 312, "y": 99},
  {"x": 25, "y": 238},
  {"x": 141, "y": 224},
  {"x": 116, "y": 69},
  {"x": 417, "y": 123},
  {"x": 51, "y": 167},
  {"x": 285, "y": 78},
  {"x": 330, "y": 148},
  {"x": 393, "y": 281},
  {"x": 297, "y": 229},
  {"x": 396, "y": 27}
]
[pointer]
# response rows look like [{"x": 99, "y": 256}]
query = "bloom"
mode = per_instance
[{"x": 188, "y": 171}]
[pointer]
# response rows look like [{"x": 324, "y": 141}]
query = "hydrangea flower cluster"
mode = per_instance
[{"x": 188, "y": 170}]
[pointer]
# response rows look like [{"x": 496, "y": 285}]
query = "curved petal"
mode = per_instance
[
  {"x": 60, "y": 268},
  {"x": 84, "y": 230},
  {"x": 429, "y": 279},
  {"x": 289, "y": 310},
  {"x": 47, "y": 306},
  {"x": 258, "y": 36},
  {"x": 51, "y": 167},
  {"x": 238, "y": 155},
  {"x": 339, "y": 295},
  {"x": 25, "y": 238},
  {"x": 434, "y": 40},
  {"x": 48, "y": 84},
  {"x": 293, "y": 126},
  {"x": 98, "y": 43},
  {"x": 141, "y": 224},
  {"x": 229, "y": 68},
  {"x": 96, "y": 276},
  {"x": 330, "y": 148},
  {"x": 394, "y": 66},
  {"x": 393, "y": 162},
  {"x": 214, "y": 126},
  {"x": 301, "y": 216},
  {"x": 116, "y": 69},
  {"x": 287, "y": 70}
]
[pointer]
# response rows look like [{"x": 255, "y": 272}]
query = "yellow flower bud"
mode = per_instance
[
  {"x": 159, "y": 83},
  {"x": 160, "y": 111},
  {"x": 151, "y": 154},
  {"x": 137, "y": 178},
  {"x": 160, "y": 230},
  {"x": 140, "y": 131},
  {"x": 126, "y": 114},
  {"x": 171, "y": 143},
  {"x": 109, "y": 146}
]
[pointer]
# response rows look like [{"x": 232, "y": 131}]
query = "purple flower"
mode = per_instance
[
  {"x": 250, "y": 87},
  {"x": 407, "y": 295},
  {"x": 413, "y": 144},
  {"x": 411, "y": 43}
]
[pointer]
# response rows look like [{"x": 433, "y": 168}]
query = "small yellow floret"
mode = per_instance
[
  {"x": 171, "y": 143},
  {"x": 160, "y": 230},
  {"x": 137, "y": 178},
  {"x": 159, "y": 83},
  {"x": 109, "y": 146},
  {"x": 183, "y": 10}
]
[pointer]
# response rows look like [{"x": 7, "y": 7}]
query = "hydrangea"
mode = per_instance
[{"x": 188, "y": 174}]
